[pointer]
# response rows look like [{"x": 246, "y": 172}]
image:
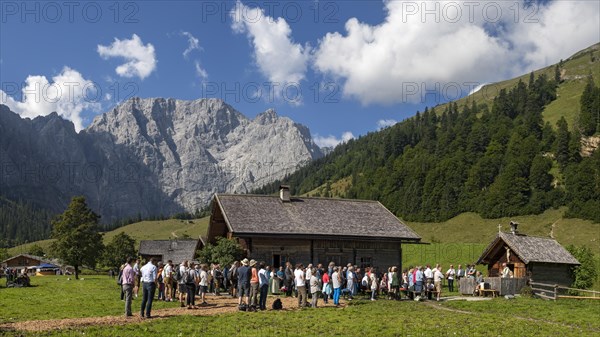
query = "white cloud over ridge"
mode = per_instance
[
  {"x": 376, "y": 63},
  {"x": 140, "y": 59},
  {"x": 277, "y": 56},
  {"x": 200, "y": 72},
  {"x": 68, "y": 94},
  {"x": 193, "y": 44},
  {"x": 332, "y": 141},
  {"x": 384, "y": 123}
]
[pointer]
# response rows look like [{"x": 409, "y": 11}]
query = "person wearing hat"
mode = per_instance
[
  {"x": 254, "y": 285},
  {"x": 243, "y": 277}
]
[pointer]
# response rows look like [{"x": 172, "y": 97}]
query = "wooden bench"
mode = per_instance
[{"x": 483, "y": 292}]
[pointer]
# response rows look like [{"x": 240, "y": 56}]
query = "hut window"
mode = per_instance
[{"x": 366, "y": 262}]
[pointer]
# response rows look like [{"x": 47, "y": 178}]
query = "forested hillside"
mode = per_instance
[
  {"x": 499, "y": 160},
  {"x": 22, "y": 221}
]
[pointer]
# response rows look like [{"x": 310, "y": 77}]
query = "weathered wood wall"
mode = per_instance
[
  {"x": 551, "y": 273},
  {"x": 362, "y": 253},
  {"x": 506, "y": 286}
]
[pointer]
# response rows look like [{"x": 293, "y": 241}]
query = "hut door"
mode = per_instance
[
  {"x": 276, "y": 260},
  {"x": 519, "y": 270}
]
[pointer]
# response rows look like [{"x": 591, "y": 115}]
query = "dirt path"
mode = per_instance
[{"x": 217, "y": 305}]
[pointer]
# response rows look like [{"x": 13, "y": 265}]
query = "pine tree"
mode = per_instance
[
  {"x": 587, "y": 110},
  {"x": 563, "y": 138}
]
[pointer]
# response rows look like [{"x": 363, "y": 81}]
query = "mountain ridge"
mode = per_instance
[{"x": 149, "y": 156}]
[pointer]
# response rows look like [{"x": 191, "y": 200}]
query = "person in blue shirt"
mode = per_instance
[
  {"x": 419, "y": 280},
  {"x": 263, "y": 279},
  {"x": 148, "y": 279}
]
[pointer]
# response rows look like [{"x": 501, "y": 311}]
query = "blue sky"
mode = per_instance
[{"x": 341, "y": 68}]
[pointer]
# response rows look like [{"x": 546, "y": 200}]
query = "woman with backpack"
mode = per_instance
[
  {"x": 191, "y": 279},
  {"x": 315, "y": 287}
]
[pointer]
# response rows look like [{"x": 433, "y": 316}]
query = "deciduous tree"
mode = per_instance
[{"x": 77, "y": 240}]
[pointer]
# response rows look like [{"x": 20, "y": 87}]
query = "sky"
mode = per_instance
[{"x": 341, "y": 68}]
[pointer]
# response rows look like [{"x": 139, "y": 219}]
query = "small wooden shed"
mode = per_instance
[
  {"x": 535, "y": 258},
  {"x": 165, "y": 250}
]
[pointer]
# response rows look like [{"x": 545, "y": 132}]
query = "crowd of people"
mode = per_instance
[
  {"x": 14, "y": 278},
  {"x": 251, "y": 282}
]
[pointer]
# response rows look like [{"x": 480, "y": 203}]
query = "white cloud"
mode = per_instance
[
  {"x": 277, "y": 56},
  {"x": 477, "y": 88},
  {"x": 141, "y": 59},
  {"x": 384, "y": 123},
  {"x": 193, "y": 44},
  {"x": 332, "y": 141},
  {"x": 201, "y": 72},
  {"x": 380, "y": 63},
  {"x": 69, "y": 94},
  {"x": 564, "y": 28}
]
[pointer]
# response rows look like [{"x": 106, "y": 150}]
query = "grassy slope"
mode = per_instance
[
  {"x": 471, "y": 228},
  {"x": 569, "y": 91},
  {"x": 144, "y": 230}
]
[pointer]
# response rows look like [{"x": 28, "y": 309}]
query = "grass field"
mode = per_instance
[
  {"x": 144, "y": 230},
  {"x": 55, "y": 297}
]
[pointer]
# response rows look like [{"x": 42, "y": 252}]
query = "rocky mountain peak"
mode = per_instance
[{"x": 159, "y": 156}]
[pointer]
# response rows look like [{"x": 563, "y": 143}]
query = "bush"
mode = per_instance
[
  {"x": 526, "y": 291},
  {"x": 584, "y": 275}
]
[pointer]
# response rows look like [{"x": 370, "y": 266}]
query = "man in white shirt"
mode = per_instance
[
  {"x": 428, "y": 272},
  {"x": 300, "y": 280},
  {"x": 148, "y": 280},
  {"x": 506, "y": 272},
  {"x": 450, "y": 274},
  {"x": 183, "y": 268},
  {"x": 437, "y": 281},
  {"x": 166, "y": 275},
  {"x": 203, "y": 283}
]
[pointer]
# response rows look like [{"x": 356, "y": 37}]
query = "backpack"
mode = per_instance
[
  {"x": 277, "y": 305},
  {"x": 232, "y": 275},
  {"x": 177, "y": 275},
  {"x": 120, "y": 277},
  {"x": 189, "y": 276},
  {"x": 243, "y": 307}
]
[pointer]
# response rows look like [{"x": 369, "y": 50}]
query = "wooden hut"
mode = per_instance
[
  {"x": 165, "y": 250},
  {"x": 529, "y": 258},
  {"x": 278, "y": 229}
]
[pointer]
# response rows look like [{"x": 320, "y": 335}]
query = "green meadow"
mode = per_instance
[{"x": 96, "y": 296}]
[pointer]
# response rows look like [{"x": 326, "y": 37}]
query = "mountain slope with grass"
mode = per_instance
[{"x": 497, "y": 156}]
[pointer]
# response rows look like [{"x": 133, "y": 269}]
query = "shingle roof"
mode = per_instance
[
  {"x": 175, "y": 250},
  {"x": 533, "y": 249},
  {"x": 259, "y": 214},
  {"x": 33, "y": 257}
]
